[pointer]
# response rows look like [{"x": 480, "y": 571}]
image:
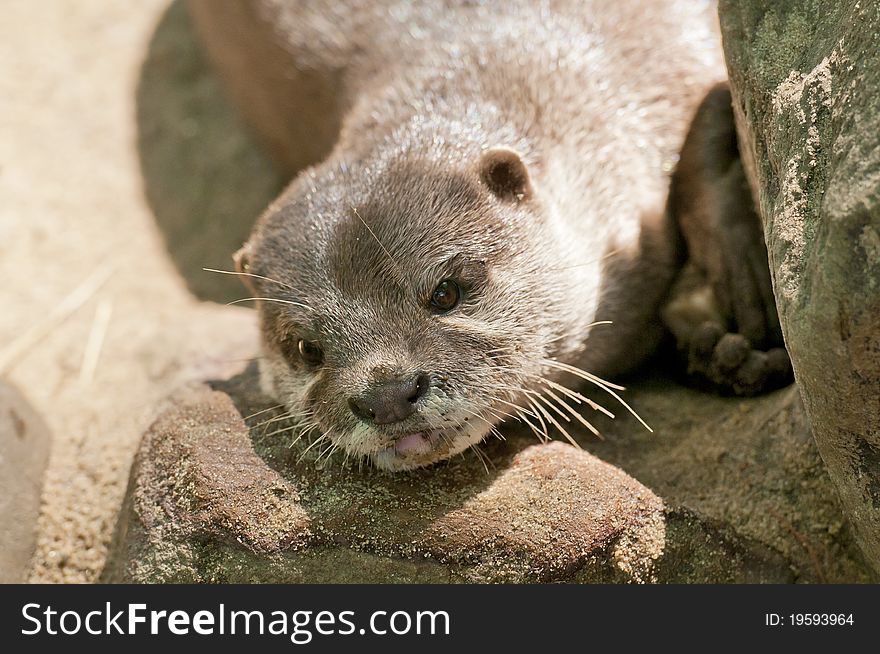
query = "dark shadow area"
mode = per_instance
[{"x": 205, "y": 177}]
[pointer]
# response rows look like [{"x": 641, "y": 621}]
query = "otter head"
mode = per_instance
[{"x": 401, "y": 310}]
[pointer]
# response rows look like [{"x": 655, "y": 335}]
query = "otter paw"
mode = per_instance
[{"x": 728, "y": 363}]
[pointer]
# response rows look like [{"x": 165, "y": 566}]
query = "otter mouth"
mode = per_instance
[
  {"x": 415, "y": 444},
  {"x": 415, "y": 449}
]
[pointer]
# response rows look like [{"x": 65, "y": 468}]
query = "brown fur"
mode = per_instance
[{"x": 524, "y": 149}]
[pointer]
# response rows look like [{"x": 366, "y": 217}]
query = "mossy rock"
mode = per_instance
[{"x": 805, "y": 77}]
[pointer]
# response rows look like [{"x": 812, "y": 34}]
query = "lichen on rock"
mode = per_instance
[{"x": 805, "y": 77}]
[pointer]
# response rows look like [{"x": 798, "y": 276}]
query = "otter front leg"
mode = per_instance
[{"x": 722, "y": 311}]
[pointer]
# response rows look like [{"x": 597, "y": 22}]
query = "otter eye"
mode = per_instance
[
  {"x": 310, "y": 352},
  {"x": 446, "y": 296}
]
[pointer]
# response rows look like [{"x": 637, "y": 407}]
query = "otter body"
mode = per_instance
[{"x": 474, "y": 190}]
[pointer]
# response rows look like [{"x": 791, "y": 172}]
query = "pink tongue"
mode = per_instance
[{"x": 412, "y": 444}]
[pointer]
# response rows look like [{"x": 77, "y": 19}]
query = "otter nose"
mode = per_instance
[{"x": 390, "y": 401}]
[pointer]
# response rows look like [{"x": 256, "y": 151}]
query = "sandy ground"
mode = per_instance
[{"x": 95, "y": 362}]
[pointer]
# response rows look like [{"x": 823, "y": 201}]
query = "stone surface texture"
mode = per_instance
[
  {"x": 729, "y": 491},
  {"x": 805, "y": 76}
]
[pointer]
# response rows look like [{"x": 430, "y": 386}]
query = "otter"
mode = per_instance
[{"x": 487, "y": 211}]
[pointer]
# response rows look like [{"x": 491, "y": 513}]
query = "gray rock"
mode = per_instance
[
  {"x": 806, "y": 84},
  {"x": 24, "y": 452},
  {"x": 212, "y": 500}
]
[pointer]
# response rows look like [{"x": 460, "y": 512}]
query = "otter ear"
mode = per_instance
[
  {"x": 242, "y": 259},
  {"x": 503, "y": 171}
]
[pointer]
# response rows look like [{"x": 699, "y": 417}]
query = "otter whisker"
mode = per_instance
[
  {"x": 474, "y": 446},
  {"x": 307, "y": 429},
  {"x": 541, "y": 435},
  {"x": 517, "y": 408},
  {"x": 271, "y": 408},
  {"x": 244, "y": 274},
  {"x": 504, "y": 348},
  {"x": 397, "y": 268},
  {"x": 271, "y": 299},
  {"x": 556, "y": 422},
  {"x": 540, "y": 414},
  {"x": 303, "y": 429},
  {"x": 326, "y": 452},
  {"x": 242, "y": 359},
  {"x": 577, "y": 334},
  {"x": 497, "y": 434},
  {"x": 290, "y": 415},
  {"x": 500, "y": 415},
  {"x": 311, "y": 445},
  {"x": 483, "y": 458},
  {"x": 477, "y": 416},
  {"x": 583, "y": 374},
  {"x": 521, "y": 391},
  {"x": 608, "y": 254},
  {"x": 554, "y": 407},
  {"x": 283, "y": 416},
  {"x": 376, "y": 238},
  {"x": 577, "y": 397},
  {"x": 574, "y": 413},
  {"x": 521, "y": 413},
  {"x": 265, "y": 424},
  {"x": 278, "y": 431},
  {"x": 601, "y": 383},
  {"x": 283, "y": 430}
]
